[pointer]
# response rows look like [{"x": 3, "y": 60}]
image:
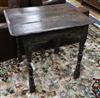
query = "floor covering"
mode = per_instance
[{"x": 53, "y": 73}]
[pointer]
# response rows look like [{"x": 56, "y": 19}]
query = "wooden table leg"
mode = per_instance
[
  {"x": 56, "y": 50},
  {"x": 32, "y": 86},
  {"x": 28, "y": 52},
  {"x": 19, "y": 54},
  {"x": 80, "y": 54},
  {"x": 56, "y": 46}
]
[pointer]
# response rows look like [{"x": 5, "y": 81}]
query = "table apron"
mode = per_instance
[{"x": 59, "y": 37}]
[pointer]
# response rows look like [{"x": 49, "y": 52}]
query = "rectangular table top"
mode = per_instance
[{"x": 32, "y": 20}]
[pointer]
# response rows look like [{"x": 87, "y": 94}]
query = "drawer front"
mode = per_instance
[{"x": 59, "y": 38}]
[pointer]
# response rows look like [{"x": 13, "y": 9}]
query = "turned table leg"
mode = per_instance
[
  {"x": 28, "y": 52},
  {"x": 32, "y": 86},
  {"x": 80, "y": 54}
]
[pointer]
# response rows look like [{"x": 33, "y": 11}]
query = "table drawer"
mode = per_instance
[{"x": 58, "y": 38}]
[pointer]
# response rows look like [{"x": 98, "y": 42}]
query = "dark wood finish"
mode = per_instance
[
  {"x": 7, "y": 44},
  {"x": 2, "y": 18},
  {"x": 34, "y": 19},
  {"x": 4, "y": 53},
  {"x": 39, "y": 26},
  {"x": 3, "y": 3},
  {"x": 9, "y": 51},
  {"x": 24, "y": 3},
  {"x": 80, "y": 9},
  {"x": 20, "y": 3},
  {"x": 83, "y": 10},
  {"x": 94, "y": 3},
  {"x": 35, "y": 2},
  {"x": 50, "y": 2}
]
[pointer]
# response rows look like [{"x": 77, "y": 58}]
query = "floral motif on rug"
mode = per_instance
[{"x": 53, "y": 73}]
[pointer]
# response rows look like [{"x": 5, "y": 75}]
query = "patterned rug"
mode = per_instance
[{"x": 53, "y": 73}]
